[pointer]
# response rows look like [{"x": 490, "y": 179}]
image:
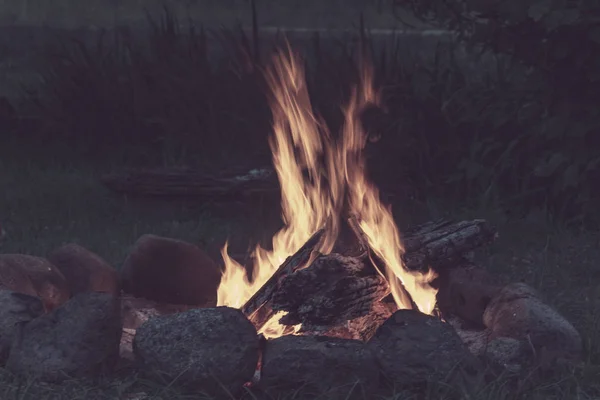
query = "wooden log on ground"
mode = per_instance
[
  {"x": 188, "y": 183},
  {"x": 438, "y": 243},
  {"x": 259, "y": 308}
]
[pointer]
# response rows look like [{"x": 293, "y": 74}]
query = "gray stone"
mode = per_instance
[
  {"x": 16, "y": 309},
  {"x": 80, "y": 338},
  {"x": 317, "y": 365},
  {"x": 509, "y": 353},
  {"x": 414, "y": 348},
  {"x": 475, "y": 339},
  {"x": 136, "y": 311},
  {"x": 518, "y": 312},
  {"x": 506, "y": 353},
  {"x": 214, "y": 350}
]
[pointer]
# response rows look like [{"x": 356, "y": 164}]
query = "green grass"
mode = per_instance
[{"x": 44, "y": 207}]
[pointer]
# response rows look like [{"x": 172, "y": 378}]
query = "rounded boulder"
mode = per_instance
[
  {"x": 170, "y": 271},
  {"x": 214, "y": 350}
]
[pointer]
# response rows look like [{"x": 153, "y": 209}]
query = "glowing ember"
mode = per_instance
[{"x": 317, "y": 174}]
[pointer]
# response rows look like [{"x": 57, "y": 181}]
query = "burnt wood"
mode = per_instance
[
  {"x": 258, "y": 308},
  {"x": 336, "y": 288},
  {"x": 441, "y": 243},
  {"x": 332, "y": 290}
]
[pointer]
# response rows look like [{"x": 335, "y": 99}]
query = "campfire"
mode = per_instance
[
  {"x": 312, "y": 279},
  {"x": 341, "y": 286},
  {"x": 347, "y": 303}
]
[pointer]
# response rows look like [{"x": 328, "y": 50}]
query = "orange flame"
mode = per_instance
[{"x": 317, "y": 174}]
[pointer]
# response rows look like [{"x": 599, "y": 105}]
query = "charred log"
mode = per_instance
[
  {"x": 361, "y": 328},
  {"x": 259, "y": 308},
  {"x": 332, "y": 290},
  {"x": 336, "y": 289},
  {"x": 440, "y": 243}
]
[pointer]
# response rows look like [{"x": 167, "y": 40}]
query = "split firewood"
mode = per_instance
[
  {"x": 259, "y": 308},
  {"x": 436, "y": 244},
  {"x": 333, "y": 289}
]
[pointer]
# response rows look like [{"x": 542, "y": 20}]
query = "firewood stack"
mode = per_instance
[{"x": 343, "y": 294}]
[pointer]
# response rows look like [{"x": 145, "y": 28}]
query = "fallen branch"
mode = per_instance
[{"x": 187, "y": 183}]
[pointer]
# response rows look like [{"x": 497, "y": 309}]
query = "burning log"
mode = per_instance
[
  {"x": 361, "y": 328},
  {"x": 259, "y": 308},
  {"x": 332, "y": 290}
]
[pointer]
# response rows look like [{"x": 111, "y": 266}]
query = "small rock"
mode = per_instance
[
  {"x": 414, "y": 348},
  {"x": 509, "y": 353},
  {"x": 136, "y": 311},
  {"x": 79, "y": 339},
  {"x": 518, "y": 312},
  {"x": 465, "y": 291},
  {"x": 211, "y": 349},
  {"x": 317, "y": 365},
  {"x": 84, "y": 270},
  {"x": 170, "y": 271},
  {"x": 476, "y": 340},
  {"x": 34, "y": 276},
  {"x": 15, "y": 310}
]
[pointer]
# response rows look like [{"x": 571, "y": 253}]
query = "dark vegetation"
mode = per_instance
[
  {"x": 535, "y": 139},
  {"x": 516, "y": 126}
]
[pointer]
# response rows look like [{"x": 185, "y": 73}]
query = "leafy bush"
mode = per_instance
[{"x": 536, "y": 139}]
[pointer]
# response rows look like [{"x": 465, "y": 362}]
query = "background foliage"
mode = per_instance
[
  {"x": 539, "y": 140},
  {"x": 505, "y": 114}
]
